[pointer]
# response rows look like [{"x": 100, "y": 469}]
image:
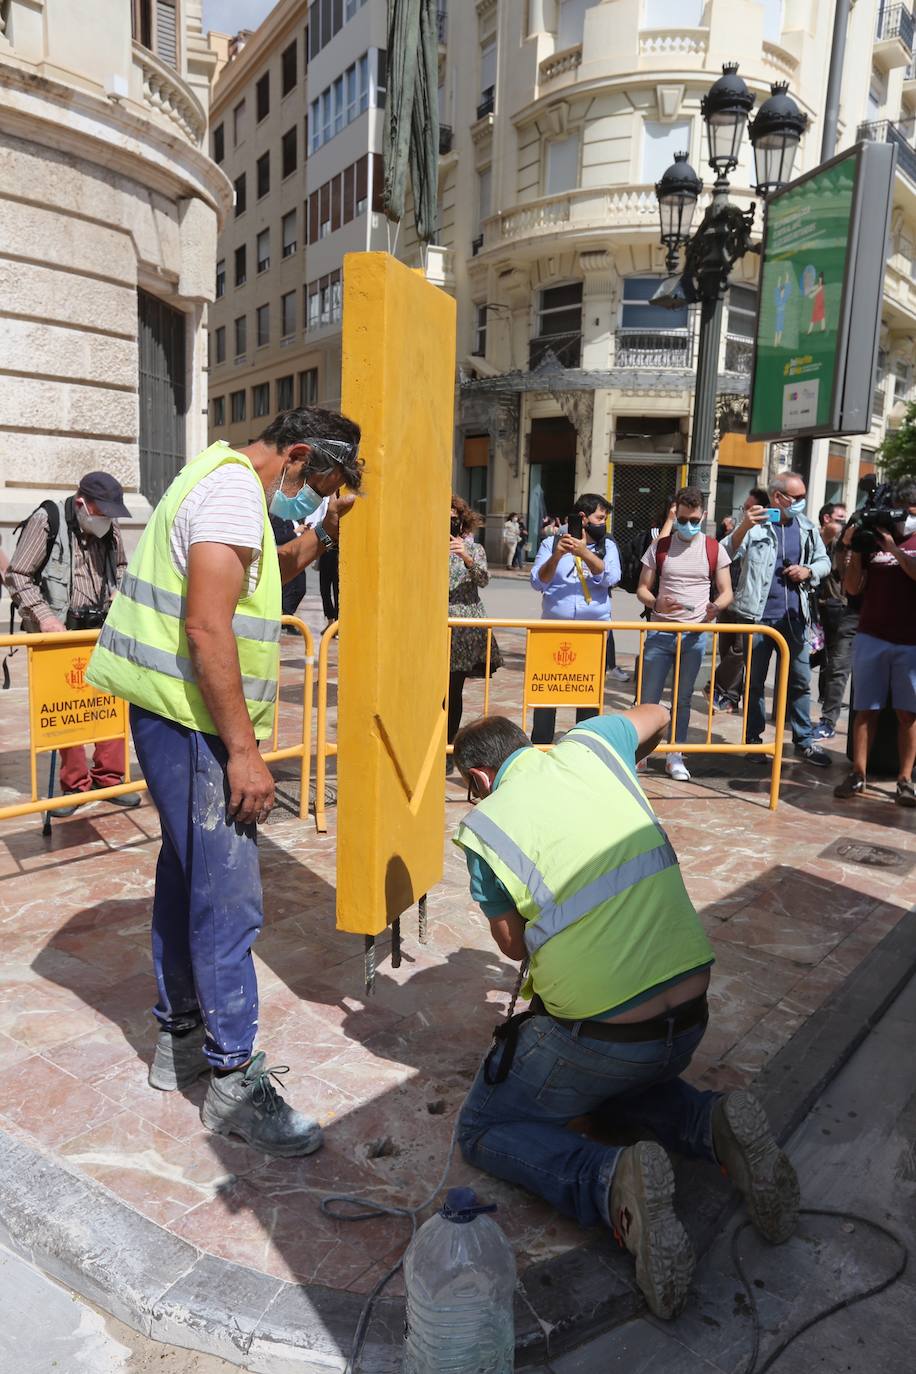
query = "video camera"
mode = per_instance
[{"x": 876, "y": 514}]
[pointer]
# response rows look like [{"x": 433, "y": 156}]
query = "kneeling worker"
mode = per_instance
[
  {"x": 192, "y": 642},
  {"x": 576, "y": 874}
]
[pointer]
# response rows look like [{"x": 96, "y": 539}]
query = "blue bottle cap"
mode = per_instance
[{"x": 461, "y": 1205}]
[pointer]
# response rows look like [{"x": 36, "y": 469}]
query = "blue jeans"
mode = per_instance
[
  {"x": 517, "y": 1129},
  {"x": 658, "y": 662},
  {"x": 207, "y": 909},
  {"x": 799, "y": 698}
]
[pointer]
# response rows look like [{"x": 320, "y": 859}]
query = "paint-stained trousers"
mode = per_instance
[{"x": 207, "y": 910}]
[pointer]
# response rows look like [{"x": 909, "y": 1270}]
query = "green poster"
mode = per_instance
[{"x": 800, "y": 315}]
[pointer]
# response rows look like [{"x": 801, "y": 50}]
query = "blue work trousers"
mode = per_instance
[
  {"x": 518, "y": 1129},
  {"x": 207, "y": 910},
  {"x": 658, "y": 662}
]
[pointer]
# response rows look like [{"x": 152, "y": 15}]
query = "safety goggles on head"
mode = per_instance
[{"x": 330, "y": 449}]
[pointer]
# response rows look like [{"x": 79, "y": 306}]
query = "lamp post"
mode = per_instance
[{"x": 724, "y": 233}]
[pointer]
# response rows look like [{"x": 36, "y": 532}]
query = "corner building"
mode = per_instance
[
  {"x": 109, "y": 204},
  {"x": 558, "y": 118}
]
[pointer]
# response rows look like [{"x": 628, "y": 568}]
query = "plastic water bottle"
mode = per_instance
[{"x": 460, "y": 1277}]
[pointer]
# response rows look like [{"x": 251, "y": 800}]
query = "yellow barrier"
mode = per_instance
[
  {"x": 644, "y": 627},
  {"x": 41, "y": 740},
  {"x": 324, "y": 748}
]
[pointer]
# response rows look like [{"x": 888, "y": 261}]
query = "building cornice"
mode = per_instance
[
  {"x": 113, "y": 133},
  {"x": 262, "y": 44}
]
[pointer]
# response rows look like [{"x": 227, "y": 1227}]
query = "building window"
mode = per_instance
[
  {"x": 361, "y": 85},
  {"x": 349, "y": 197},
  {"x": 484, "y": 195},
  {"x": 562, "y": 172},
  {"x": 262, "y": 169},
  {"x": 285, "y": 393},
  {"x": 324, "y": 212},
  {"x": 648, "y": 337},
  {"x": 288, "y": 314},
  {"x": 362, "y": 82},
  {"x": 379, "y": 77},
  {"x": 241, "y": 269},
  {"x": 362, "y": 185},
  {"x": 219, "y": 147},
  {"x": 219, "y": 411},
  {"x": 336, "y": 298},
  {"x": 902, "y": 379},
  {"x": 559, "y": 325},
  {"x": 237, "y": 406},
  {"x": 241, "y": 195},
  {"x": 219, "y": 344},
  {"x": 308, "y": 387},
  {"x": 340, "y": 115},
  {"x": 238, "y": 124},
  {"x": 263, "y": 326},
  {"x": 262, "y": 250},
  {"x": 659, "y": 144},
  {"x": 260, "y": 400},
  {"x": 262, "y": 97},
  {"x": 241, "y": 336},
  {"x": 314, "y": 315},
  {"x": 739, "y": 335},
  {"x": 480, "y": 332},
  {"x": 289, "y": 69},
  {"x": 220, "y": 278},
  {"x": 487, "y": 77},
  {"x": 288, "y": 153},
  {"x": 288, "y": 234},
  {"x": 154, "y": 23}
]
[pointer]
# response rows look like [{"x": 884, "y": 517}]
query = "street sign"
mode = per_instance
[
  {"x": 819, "y": 303},
  {"x": 64, "y": 708},
  {"x": 565, "y": 667}
]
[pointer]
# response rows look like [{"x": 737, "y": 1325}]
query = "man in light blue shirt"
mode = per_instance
[{"x": 575, "y": 577}]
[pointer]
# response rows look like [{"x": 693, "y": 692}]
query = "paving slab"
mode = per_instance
[{"x": 792, "y": 929}]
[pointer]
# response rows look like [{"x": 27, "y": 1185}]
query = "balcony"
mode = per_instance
[
  {"x": 877, "y": 404},
  {"x": 476, "y": 245},
  {"x": 894, "y": 36},
  {"x": 677, "y": 43},
  {"x": 173, "y": 104},
  {"x": 585, "y": 212},
  {"x": 654, "y": 348},
  {"x": 739, "y": 354},
  {"x": 885, "y": 131},
  {"x": 446, "y": 139},
  {"x": 566, "y": 348},
  {"x": 559, "y": 64},
  {"x": 487, "y": 102}
]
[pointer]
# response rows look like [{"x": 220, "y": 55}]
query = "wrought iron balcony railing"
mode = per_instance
[
  {"x": 739, "y": 354},
  {"x": 895, "y": 21},
  {"x": 901, "y": 135},
  {"x": 654, "y": 348},
  {"x": 487, "y": 102}
]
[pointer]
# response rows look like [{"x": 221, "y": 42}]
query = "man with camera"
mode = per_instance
[
  {"x": 66, "y": 568},
  {"x": 574, "y": 571},
  {"x": 882, "y": 570},
  {"x": 782, "y": 560}
]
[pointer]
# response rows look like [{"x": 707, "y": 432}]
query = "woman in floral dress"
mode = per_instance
[{"x": 467, "y": 573}]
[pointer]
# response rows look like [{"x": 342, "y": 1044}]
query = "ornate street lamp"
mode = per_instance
[
  {"x": 725, "y": 109},
  {"x": 775, "y": 133},
  {"x": 677, "y": 192}
]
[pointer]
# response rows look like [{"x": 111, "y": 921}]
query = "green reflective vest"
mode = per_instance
[
  {"x": 580, "y": 851},
  {"x": 142, "y": 653}
]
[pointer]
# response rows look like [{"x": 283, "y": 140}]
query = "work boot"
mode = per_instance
[
  {"x": 245, "y": 1103},
  {"x": 179, "y": 1060},
  {"x": 747, "y": 1150},
  {"x": 643, "y": 1220}
]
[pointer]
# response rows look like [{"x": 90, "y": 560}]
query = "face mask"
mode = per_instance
[
  {"x": 688, "y": 529},
  {"x": 298, "y": 507},
  {"x": 595, "y": 533},
  {"x": 909, "y": 525},
  {"x": 797, "y": 507},
  {"x": 96, "y": 525}
]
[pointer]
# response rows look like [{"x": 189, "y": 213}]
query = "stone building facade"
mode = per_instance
[{"x": 109, "y": 211}]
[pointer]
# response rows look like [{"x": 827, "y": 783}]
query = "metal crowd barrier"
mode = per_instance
[{"x": 35, "y": 644}]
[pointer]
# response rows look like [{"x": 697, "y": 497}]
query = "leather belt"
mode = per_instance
[{"x": 682, "y": 1018}]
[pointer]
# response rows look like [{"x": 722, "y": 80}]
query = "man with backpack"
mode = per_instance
[
  {"x": 684, "y": 578},
  {"x": 63, "y": 574}
]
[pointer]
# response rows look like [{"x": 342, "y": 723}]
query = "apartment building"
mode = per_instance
[
  {"x": 558, "y": 116},
  {"x": 297, "y": 127},
  {"x": 110, "y": 205}
]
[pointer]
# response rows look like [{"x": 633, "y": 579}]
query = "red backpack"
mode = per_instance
[{"x": 664, "y": 544}]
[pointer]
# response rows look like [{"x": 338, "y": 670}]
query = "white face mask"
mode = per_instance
[{"x": 96, "y": 525}]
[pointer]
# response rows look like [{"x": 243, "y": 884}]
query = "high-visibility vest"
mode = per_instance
[
  {"x": 573, "y": 839},
  {"x": 142, "y": 653}
]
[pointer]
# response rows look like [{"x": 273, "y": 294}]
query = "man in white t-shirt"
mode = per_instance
[
  {"x": 202, "y": 694},
  {"x": 691, "y": 571}
]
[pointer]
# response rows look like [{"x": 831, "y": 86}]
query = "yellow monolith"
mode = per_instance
[{"x": 399, "y": 384}]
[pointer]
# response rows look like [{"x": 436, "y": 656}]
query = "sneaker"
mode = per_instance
[
  {"x": 246, "y": 1103},
  {"x": 824, "y": 731},
  {"x": 724, "y": 705},
  {"x": 64, "y": 811},
  {"x": 643, "y": 1220},
  {"x": 762, "y": 759},
  {"x": 906, "y": 793},
  {"x": 619, "y": 674},
  {"x": 128, "y": 799},
  {"x": 179, "y": 1060},
  {"x": 748, "y": 1153},
  {"x": 853, "y": 785},
  {"x": 676, "y": 768},
  {"x": 814, "y": 755}
]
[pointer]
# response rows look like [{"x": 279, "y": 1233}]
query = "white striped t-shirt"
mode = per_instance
[{"x": 225, "y": 507}]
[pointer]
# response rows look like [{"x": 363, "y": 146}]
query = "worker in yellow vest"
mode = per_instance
[
  {"x": 192, "y": 642},
  {"x": 571, "y": 865}
]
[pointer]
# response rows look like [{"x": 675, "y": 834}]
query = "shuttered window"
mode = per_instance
[{"x": 167, "y": 32}]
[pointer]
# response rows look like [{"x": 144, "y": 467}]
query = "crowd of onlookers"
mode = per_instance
[{"x": 841, "y": 592}]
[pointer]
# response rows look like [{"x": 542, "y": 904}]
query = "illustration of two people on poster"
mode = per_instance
[{"x": 812, "y": 288}]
